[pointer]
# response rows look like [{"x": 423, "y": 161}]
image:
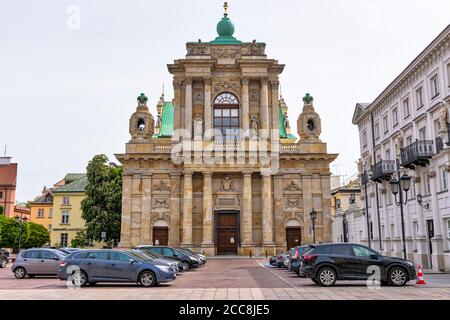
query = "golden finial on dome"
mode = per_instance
[{"x": 225, "y": 7}]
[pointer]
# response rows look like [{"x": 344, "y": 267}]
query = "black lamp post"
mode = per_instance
[
  {"x": 398, "y": 185},
  {"x": 364, "y": 180},
  {"x": 313, "y": 216},
  {"x": 20, "y": 220},
  {"x": 345, "y": 226}
]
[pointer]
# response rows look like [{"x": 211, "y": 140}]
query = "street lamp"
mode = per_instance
[
  {"x": 398, "y": 185},
  {"x": 313, "y": 216},
  {"x": 419, "y": 199},
  {"x": 364, "y": 180},
  {"x": 345, "y": 227},
  {"x": 21, "y": 220}
]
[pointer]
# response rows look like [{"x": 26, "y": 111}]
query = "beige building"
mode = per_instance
[{"x": 220, "y": 171}]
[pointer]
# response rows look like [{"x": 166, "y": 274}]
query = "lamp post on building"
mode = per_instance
[
  {"x": 313, "y": 216},
  {"x": 364, "y": 180},
  {"x": 398, "y": 185},
  {"x": 21, "y": 220}
]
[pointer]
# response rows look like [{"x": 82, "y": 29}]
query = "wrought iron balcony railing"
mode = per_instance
[
  {"x": 382, "y": 170},
  {"x": 417, "y": 154}
]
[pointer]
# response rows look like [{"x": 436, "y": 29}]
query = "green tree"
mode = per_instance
[
  {"x": 80, "y": 240},
  {"x": 1, "y": 210},
  {"x": 102, "y": 207},
  {"x": 9, "y": 232},
  {"x": 34, "y": 235}
]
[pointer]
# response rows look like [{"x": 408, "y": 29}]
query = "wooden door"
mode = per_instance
[
  {"x": 160, "y": 236},
  {"x": 227, "y": 231},
  {"x": 293, "y": 237}
]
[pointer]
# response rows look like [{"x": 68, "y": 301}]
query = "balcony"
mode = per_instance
[
  {"x": 382, "y": 170},
  {"x": 417, "y": 154}
]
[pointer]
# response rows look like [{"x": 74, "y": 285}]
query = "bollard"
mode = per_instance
[
  {"x": 250, "y": 254},
  {"x": 266, "y": 253}
]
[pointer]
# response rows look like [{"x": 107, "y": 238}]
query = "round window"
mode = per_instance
[
  {"x": 141, "y": 125},
  {"x": 311, "y": 125}
]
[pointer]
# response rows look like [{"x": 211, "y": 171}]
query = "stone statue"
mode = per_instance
[
  {"x": 254, "y": 124},
  {"x": 398, "y": 145},
  {"x": 286, "y": 120},
  {"x": 227, "y": 185},
  {"x": 308, "y": 99},
  {"x": 443, "y": 119},
  {"x": 198, "y": 125},
  {"x": 142, "y": 99},
  {"x": 360, "y": 166}
]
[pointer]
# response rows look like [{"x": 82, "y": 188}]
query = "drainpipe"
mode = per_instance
[{"x": 376, "y": 184}]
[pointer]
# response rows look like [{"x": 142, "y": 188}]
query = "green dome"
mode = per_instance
[{"x": 225, "y": 27}]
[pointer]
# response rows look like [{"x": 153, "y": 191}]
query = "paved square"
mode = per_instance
[{"x": 225, "y": 279}]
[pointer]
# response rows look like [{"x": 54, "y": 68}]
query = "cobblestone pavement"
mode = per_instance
[{"x": 228, "y": 279}]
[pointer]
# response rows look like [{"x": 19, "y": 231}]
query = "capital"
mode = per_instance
[
  {"x": 245, "y": 81},
  {"x": 189, "y": 80},
  {"x": 264, "y": 80}
]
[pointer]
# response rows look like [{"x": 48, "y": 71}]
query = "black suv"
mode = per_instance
[
  {"x": 187, "y": 260},
  {"x": 4, "y": 258},
  {"x": 326, "y": 263}
]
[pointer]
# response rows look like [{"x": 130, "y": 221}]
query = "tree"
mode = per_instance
[
  {"x": 102, "y": 207},
  {"x": 80, "y": 240},
  {"x": 9, "y": 232},
  {"x": 1, "y": 210},
  {"x": 34, "y": 235}
]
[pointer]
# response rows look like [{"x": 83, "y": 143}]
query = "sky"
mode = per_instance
[{"x": 70, "y": 71}]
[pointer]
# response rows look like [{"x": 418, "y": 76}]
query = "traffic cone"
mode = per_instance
[{"x": 420, "y": 279}]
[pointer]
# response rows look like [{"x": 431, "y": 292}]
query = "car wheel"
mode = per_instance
[
  {"x": 4, "y": 263},
  {"x": 80, "y": 279},
  {"x": 147, "y": 279},
  {"x": 20, "y": 273},
  {"x": 185, "y": 265},
  {"x": 398, "y": 277},
  {"x": 326, "y": 277}
]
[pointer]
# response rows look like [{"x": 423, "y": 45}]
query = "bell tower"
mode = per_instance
[
  {"x": 309, "y": 125},
  {"x": 141, "y": 122}
]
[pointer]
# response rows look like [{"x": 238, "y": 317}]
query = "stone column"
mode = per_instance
[
  {"x": 208, "y": 105},
  {"x": 264, "y": 106},
  {"x": 125, "y": 228},
  {"x": 136, "y": 209},
  {"x": 247, "y": 213},
  {"x": 326, "y": 208},
  {"x": 280, "y": 230},
  {"x": 437, "y": 241},
  {"x": 174, "y": 236},
  {"x": 387, "y": 224},
  {"x": 267, "y": 213},
  {"x": 245, "y": 105},
  {"x": 146, "y": 231},
  {"x": 187, "y": 210},
  {"x": 275, "y": 106},
  {"x": 307, "y": 207},
  {"x": 207, "y": 211},
  {"x": 421, "y": 239},
  {"x": 177, "y": 104},
  {"x": 188, "y": 106}
]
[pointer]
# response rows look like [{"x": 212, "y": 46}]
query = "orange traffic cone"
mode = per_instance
[{"x": 420, "y": 279}]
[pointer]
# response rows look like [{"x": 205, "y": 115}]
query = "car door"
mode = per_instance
[
  {"x": 120, "y": 267},
  {"x": 342, "y": 258},
  {"x": 49, "y": 262},
  {"x": 363, "y": 259},
  {"x": 31, "y": 261},
  {"x": 97, "y": 265}
]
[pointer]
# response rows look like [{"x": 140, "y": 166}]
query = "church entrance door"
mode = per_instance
[{"x": 227, "y": 233}]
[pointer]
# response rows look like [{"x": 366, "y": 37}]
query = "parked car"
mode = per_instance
[
  {"x": 203, "y": 259},
  {"x": 326, "y": 263},
  {"x": 296, "y": 258},
  {"x": 287, "y": 259},
  {"x": 176, "y": 265},
  {"x": 272, "y": 260},
  {"x": 279, "y": 260},
  {"x": 105, "y": 265},
  {"x": 187, "y": 260},
  {"x": 4, "y": 258},
  {"x": 35, "y": 262}
]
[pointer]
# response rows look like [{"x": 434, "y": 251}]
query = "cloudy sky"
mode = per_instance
[{"x": 68, "y": 87}]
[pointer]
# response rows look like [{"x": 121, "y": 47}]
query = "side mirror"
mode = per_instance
[
  {"x": 374, "y": 256},
  {"x": 55, "y": 258},
  {"x": 131, "y": 261}
]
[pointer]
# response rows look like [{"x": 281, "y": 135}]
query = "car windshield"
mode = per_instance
[
  {"x": 64, "y": 253},
  {"x": 180, "y": 252},
  {"x": 139, "y": 256},
  {"x": 148, "y": 253}
]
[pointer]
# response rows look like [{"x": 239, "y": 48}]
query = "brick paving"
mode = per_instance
[{"x": 227, "y": 279}]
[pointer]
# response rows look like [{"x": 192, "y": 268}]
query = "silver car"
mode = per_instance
[{"x": 39, "y": 261}]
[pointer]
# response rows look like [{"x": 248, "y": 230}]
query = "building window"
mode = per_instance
[
  {"x": 443, "y": 178},
  {"x": 49, "y": 227},
  {"x": 406, "y": 111},
  {"x": 382, "y": 231},
  {"x": 65, "y": 216},
  {"x": 408, "y": 140},
  {"x": 40, "y": 213},
  {"x": 385, "y": 124},
  {"x": 434, "y": 87},
  {"x": 423, "y": 134},
  {"x": 427, "y": 183},
  {"x": 64, "y": 239},
  {"x": 50, "y": 213},
  {"x": 1, "y": 195},
  {"x": 364, "y": 139},
  {"x": 448, "y": 228},
  {"x": 395, "y": 117},
  {"x": 66, "y": 201},
  {"x": 377, "y": 131},
  {"x": 419, "y": 98},
  {"x": 387, "y": 154},
  {"x": 448, "y": 75},
  {"x": 437, "y": 127},
  {"x": 226, "y": 117}
]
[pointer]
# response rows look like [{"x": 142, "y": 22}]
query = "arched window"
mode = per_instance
[{"x": 226, "y": 116}]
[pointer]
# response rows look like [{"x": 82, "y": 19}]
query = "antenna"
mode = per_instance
[{"x": 6, "y": 148}]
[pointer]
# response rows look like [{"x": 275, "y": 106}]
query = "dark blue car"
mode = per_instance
[{"x": 92, "y": 266}]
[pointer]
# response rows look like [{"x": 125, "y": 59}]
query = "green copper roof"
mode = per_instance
[
  {"x": 225, "y": 30},
  {"x": 76, "y": 186},
  {"x": 166, "y": 121},
  {"x": 283, "y": 133}
]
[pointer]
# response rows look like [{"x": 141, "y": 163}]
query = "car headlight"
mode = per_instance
[{"x": 164, "y": 268}]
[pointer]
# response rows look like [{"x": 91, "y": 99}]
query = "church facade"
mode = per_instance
[{"x": 219, "y": 171}]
